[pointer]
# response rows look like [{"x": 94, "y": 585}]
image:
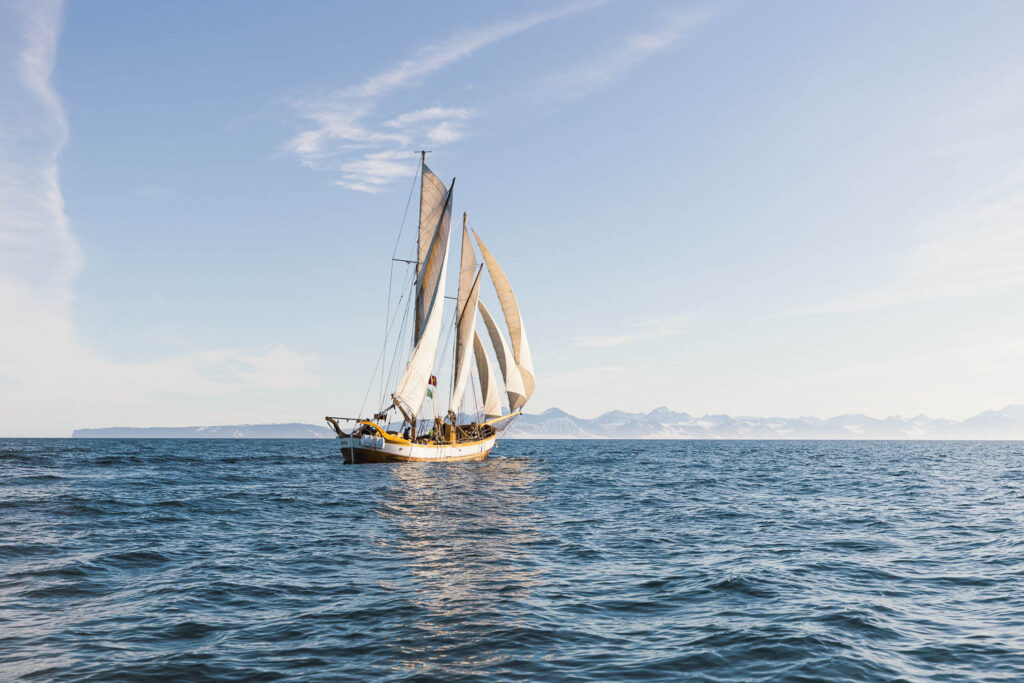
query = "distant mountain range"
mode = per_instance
[{"x": 660, "y": 423}]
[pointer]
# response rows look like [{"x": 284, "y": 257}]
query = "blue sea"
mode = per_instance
[{"x": 265, "y": 560}]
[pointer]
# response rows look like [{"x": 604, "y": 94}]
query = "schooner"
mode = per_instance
[{"x": 424, "y": 434}]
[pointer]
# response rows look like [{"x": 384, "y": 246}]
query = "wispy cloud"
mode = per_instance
[
  {"x": 37, "y": 249},
  {"x": 50, "y": 379},
  {"x": 587, "y": 77},
  {"x": 632, "y": 333},
  {"x": 351, "y": 134}
]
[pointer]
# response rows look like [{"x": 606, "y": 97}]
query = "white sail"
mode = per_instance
[
  {"x": 488, "y": 386},
  {"x": 516, "y": 332},
  {"x": 432, "y": 202},
  {"x": 413, "y": 386},
  {"x": 464, "y": 330},
  {"x": 467, "y": 271},
  {"x": 430, "y": 268},
  {"x": 506, "y": 360},
  {"x": 465, "y": 313}
]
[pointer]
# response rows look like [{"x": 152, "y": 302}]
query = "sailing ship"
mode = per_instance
[{"x": 417, "y": 430}]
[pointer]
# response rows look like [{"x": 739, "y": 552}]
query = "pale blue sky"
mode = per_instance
[{"x": 782, "y": 208}]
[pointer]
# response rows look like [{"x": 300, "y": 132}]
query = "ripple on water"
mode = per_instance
[{"x": 556, "y": 560}]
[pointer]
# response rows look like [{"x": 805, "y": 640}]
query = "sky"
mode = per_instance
[{"x": 786, "y": 208}]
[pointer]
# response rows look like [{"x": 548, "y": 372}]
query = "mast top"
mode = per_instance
[{"x": 423, "y": 154}]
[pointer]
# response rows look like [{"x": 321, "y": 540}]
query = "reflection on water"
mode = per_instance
[
  {"x": 465, "y": 534},
  {"x": 574, "y": 560}
]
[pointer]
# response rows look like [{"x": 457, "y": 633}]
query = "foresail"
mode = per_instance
[
  {"x": 413, "y": 386},
  {"x": 509, "y": 306},
  {"x": 432, "y": 202},
  {"x": 488, "y": 385},
  {"x": 464, "y": 331},
  {"x": 506, "y": 360}
]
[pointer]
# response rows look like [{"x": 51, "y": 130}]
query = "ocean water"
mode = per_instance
[{"x": 263, "y": 560}]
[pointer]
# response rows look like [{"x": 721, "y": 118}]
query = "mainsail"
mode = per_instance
[
  {"x": 520, "y": 347},
  {"x": 413, "y": 386},
  {"x": 488, "y": 386},
  {"x": 506, "y": 360},
  {"x": 433, "y": 199}
]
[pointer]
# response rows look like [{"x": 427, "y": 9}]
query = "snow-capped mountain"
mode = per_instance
[{"x": 662, "y": 423}]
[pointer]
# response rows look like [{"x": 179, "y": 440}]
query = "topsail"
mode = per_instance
[{"x": 432, "y": 204}]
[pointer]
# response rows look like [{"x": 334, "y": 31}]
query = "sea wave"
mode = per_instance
[{"x": 552, "y": 560}]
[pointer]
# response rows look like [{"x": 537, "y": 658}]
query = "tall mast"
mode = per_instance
[
  {"x": 468, "y": 295},
  {"x": 459, "y": 304},
  {"x": 423, "y": 165},
  {"x": 417, "y": 324}
]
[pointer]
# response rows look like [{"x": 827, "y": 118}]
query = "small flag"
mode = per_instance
[
  {"x": 433, "y": 381},
  {"x": 430, "y": 393}
]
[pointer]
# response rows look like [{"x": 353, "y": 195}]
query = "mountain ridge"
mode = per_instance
[
  {"x": 663, "y": 423},
  {"x": 660, "y": 423}
]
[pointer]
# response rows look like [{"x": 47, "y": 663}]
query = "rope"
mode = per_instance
[
  {"x": 389, "y": 318},
  {"x": 383, "y": 352},
  {"x": 395, "y": 356},
  {"x": 380, "y": 357},
  {"x": 391, "y": 277},
  {"x": 404, "y": 214}
]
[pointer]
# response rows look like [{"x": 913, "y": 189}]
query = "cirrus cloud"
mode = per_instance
[
  {"x": 50, "y": 380},
  {"x": 350, "y": 133}
]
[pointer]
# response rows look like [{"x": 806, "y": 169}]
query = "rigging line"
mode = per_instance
[
  {"x": 392, "y": 370},
  {"x": 472, "y": 387},
  {"x": 399, "y": 337},
  {"x": 455, "y": 353},
  {"x": 387, "y": 323},
  {"x": 387, "y": 335},
  {"x": 411, "y": 277},
  {"x": 380, "y": 356},
  {"x": 405, "y": 214},
  {"x": 404, "y": 311},
  {"x": 391, "y": 272}
]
